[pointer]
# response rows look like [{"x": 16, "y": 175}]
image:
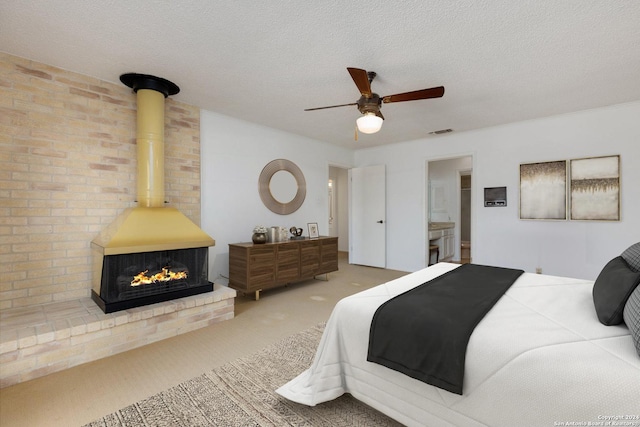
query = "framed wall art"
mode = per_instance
[
  {"x": 543, "y": 190},
  {"x": 595, "y": 188}
]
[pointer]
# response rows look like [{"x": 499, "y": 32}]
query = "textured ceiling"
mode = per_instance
[{"x": 500, "y": 61}]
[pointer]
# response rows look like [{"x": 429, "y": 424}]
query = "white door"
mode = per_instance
[
  {"x": 333, "y": 230},
  {"x": 367, "y": 219}
]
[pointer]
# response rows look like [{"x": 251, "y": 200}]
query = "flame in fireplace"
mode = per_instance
[{"x": 166, "y": 275}]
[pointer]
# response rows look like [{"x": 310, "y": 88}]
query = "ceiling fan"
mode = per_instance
[{"x": 370, "y": 103}]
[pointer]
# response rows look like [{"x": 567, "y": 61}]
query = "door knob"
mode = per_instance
[{"x": 380, "y": 222}]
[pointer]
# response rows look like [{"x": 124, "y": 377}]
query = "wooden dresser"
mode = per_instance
[{"x": 253, "y": 268}]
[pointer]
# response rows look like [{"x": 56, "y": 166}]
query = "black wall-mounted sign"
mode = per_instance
[{"x": 495, "y": 196}]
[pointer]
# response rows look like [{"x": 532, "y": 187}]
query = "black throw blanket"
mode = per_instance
[{"x": 424, "y": 332}]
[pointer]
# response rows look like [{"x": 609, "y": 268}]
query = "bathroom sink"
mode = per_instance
[{"x": 441, "y": 225}]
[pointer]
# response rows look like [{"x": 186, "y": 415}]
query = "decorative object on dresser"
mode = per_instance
[
  {"x": 273, "y": 234},
  {"x": 296, "y": 233},
  {"x": 277, "y": 234},
  {"x": 259, "y": 234},
  {"x": 313, "y": 230},
  {"x": 254, "y": 268}
]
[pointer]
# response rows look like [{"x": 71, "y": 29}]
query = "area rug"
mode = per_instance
[{"x": 241, "y": 393}]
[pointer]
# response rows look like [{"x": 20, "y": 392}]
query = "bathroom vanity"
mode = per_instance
[{"x": 443, "y": 235}]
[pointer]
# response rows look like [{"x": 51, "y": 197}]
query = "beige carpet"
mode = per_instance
[
  {"x": 79, "y": 395},
  {"x": 241, "y": 393}
]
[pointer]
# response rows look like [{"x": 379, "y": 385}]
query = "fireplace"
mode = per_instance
[
  {"x": 131, "y": 280},
  {"x": 150, "y": 253}
]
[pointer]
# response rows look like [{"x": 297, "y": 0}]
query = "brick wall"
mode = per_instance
[{"x": 68, "y": 168}]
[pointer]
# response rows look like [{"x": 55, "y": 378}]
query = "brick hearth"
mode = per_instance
[{"x": 39, "y": 340}]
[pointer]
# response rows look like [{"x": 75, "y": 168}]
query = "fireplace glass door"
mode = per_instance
[{"x": 152, "y": 275}]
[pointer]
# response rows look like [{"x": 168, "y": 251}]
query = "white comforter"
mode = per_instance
[{"x": 539, "y": 358}]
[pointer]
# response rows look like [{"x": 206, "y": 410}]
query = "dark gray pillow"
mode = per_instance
[
  {"x": 632, "y": 256},
  {"x": 611, "y": 290},
  {"x": 632, "y": 317}
]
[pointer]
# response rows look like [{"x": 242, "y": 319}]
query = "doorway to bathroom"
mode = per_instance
[
  {"x": 465, "y": 216},
  {"x": 449, "y": 202},
  {"x": 338, "y": 195}
]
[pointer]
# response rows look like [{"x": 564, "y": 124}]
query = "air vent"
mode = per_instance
[{"x": 440, "y": 132}]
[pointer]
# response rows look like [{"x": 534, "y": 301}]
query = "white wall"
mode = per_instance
[
  {"x": 234, "y": 152},
  {"x": 568, "y": 248}
]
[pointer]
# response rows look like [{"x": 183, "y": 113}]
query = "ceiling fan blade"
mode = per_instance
[
  {"x": 361, "y": 79},
  {"x": 434, "y": 92},
  {"x": 330, "y": 106}
]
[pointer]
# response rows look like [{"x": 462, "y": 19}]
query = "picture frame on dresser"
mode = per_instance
[{"x": 313, "y": 230}]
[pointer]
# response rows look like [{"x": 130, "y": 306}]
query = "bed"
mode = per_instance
[{"x": 540, "y": 357}]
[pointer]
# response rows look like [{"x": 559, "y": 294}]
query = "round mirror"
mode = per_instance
[{"x": 282, "y": 186}]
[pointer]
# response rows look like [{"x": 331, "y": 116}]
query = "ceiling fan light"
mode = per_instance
[{"x": 369, "y": 123}]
